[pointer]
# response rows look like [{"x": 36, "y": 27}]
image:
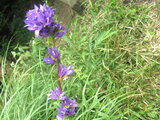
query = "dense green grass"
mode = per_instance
[{"x": 116, "y": 69}]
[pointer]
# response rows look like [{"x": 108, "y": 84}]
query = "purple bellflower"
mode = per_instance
[
  {"x": 54, "y": 55},
  {"x": 56, "y": 94},
  {"x": 39, "y": 20},
  {"x": 67, "y": 108},
  {"x": 48, "y": 60},
  {"x": 65, "y": 72},
  {"x": 55, "y": 28}
]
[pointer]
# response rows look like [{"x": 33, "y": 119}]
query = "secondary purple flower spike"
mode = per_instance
[
  {"x": 56, "y": 94},
  {"x": 39, "y": 20},
  {"x": 54, "y": 53},
  {"x": 65, "y": 72},
  {"x": 67, "y": 108}
]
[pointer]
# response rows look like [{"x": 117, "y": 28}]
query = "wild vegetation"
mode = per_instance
[{"x": 114, "y": 48}]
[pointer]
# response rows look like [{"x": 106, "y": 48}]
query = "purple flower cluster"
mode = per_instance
[
  {"x": 67, "y": 106},
  {"x": 55, "y": 27},
  {"x": 56, "y": 95},
  {"x": 40, "y": 20},
  {"x": 65, "y": 72},
  {"x": 54, "y": 55}
]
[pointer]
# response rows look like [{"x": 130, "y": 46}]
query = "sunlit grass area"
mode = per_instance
[{"x": 114, "y": 49}]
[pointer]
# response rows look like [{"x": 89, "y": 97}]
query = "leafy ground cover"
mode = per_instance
[{"x": 114, "y": 49}]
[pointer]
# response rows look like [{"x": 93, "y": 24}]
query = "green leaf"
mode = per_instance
[
  {"x": 67, "y": 40},
  {"x": 103, "y": 36}
]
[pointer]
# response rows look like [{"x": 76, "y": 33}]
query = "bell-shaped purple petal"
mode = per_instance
[
  {"x": 69, "y": 70},
  {"x": 57, "y": 29},
  {"x": 56, "y": 95},
  {"x": 36, "y": 33},
  {"x": 60, "y": 27},
  {"x": 59, "y": 117},
  {"x": 36, "y": 7},
  {"x": 48, "y": 60},
  {"x": 44, "y": 32},
  {"x": 65, "y": 72},
  {"x": 54, "y": 53},
  {"x": 60, "y": 70},
  {"x": 67, "y": 108},
  {"x": 69, "y": 103},
  {"x": 60, "y": 34}
]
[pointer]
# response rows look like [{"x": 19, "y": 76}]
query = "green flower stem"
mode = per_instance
[
  {"x": 59, "y": 78},
  {"x": 52, "y": 40}
]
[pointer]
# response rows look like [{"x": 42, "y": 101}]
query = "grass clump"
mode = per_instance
[{"x": 116, "y": 68}]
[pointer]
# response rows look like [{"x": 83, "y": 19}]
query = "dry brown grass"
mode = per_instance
[
  {"x": 152, "y": 31},
  {"x": 152, "y": 35}
]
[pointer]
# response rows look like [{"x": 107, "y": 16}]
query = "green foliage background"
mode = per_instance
[{"x": 116, "y": 70}]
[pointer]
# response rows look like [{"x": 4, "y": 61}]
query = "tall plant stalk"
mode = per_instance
[{"x": 58, "y": 61}]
